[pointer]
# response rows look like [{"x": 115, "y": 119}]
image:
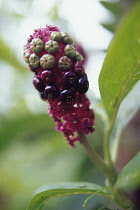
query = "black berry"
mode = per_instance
[
  {"x": 51, "y": 92},
  {"x": 48, "y": 77},
  {"x": 42, "y": 96},
  {"x": 83, "y": 85},
  {"x": 69, "y": 79},
  {"x": 67, "y": 95},
  {"x": 80, "y": 74},
  {"x": 38, "y": 84}
]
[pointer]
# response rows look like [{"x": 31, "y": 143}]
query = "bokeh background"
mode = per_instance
[{"x": 32, "y": 153}]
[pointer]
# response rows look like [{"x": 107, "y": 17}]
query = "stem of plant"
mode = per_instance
[
  {"x": 105, "y": 169},
  {"x": 107, "y": 155},
  {"x": 98, "y": 161}
]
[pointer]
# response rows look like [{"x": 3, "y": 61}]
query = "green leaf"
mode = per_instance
[
  {"x": 69, "y": 188},
  {"x": 117, "y": 10},
  {"x": 127, "y": 113},
  {"x": 109, "y": 26},
  {"x": 112, "y": 6},
  {"x": 129, "y": 178},
  {"x": 121, "y": 68},
  {"x": 106, "y": 208},
  {"x": 8, "y": 56},
  {"x": 24, "y": 126}
]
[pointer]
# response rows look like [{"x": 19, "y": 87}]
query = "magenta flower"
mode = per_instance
[{"x": 60, "y": 78}]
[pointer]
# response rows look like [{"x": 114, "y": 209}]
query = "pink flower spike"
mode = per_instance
[{"x": 60, "y": 78}]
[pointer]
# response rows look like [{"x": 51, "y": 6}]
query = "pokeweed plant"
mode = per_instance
[{"x": 61, "y": 80}]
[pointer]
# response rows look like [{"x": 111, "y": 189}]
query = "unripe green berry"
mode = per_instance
[
  {"x": 37, "y": 45},
  {"x": 26, "y": 56},
  {"x": 56, "y": 36},
  {"x": 66, "y": 38},
  {"x": 78, "y": 56},
  {"x": 51, "y": 46},
  {"x": 25, "y": 47},
  {"x": 64, "y": 63},
  {"x": 70, "y": 51},
  {"x": 47, "y": 61},
  {"x": 34, "y": 60}
]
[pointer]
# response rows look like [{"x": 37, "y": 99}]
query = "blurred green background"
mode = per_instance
[{"x": 32, "y": 153}]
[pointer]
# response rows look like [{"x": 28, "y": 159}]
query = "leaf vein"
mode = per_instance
[
  {"x": 124, "y": 91},
  {"x": 115, "y": 77}
]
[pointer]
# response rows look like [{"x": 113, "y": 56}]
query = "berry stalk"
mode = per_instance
[{"x": 98, "y": 161}]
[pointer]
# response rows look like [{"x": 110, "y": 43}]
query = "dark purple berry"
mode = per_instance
[
  {"x": 42, "y": 96},
  {"x": 83, "y": 85},
  {"x": 80, "y": 74},
  {"x": 38, "y": 84},
  {"x": 32, "y": 68},
  {"x": 67, "y": 95},
  {"x": 79, "y": 70},
  {"x": 69, "y": 79},
  {"x": 51, "y": 92},
  {"x": 48, "y": 77},
  {"x": 78, "y": 66}
]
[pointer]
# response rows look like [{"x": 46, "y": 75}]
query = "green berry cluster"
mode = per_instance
[{"x": 47, "y": 60}]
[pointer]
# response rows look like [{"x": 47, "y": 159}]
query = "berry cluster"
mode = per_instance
[{"x": 60, "y": 78}]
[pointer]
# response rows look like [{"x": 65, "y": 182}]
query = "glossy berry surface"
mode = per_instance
[
  {"x": 83, "y": 85},
  {"x": 42, "y": 95},
  {"x": 67, "y": 95},
  {"x": 51, "y": 92},
  {"x": 48, "y": 77},
  {"x": 38, "y": 84},
  {"x": 69, "y": 79},
  {"x": 80, "y": 74}
]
